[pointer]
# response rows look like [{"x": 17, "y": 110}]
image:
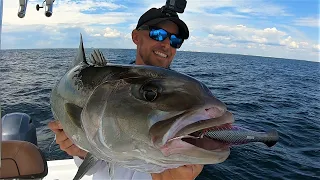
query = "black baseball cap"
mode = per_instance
[{"x": 155, "y": 15}]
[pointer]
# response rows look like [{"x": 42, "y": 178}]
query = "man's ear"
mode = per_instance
[{"x": 135, "y": 36}]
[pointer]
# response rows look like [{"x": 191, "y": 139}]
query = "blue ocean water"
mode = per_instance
[{"x": 262, "y": 93}]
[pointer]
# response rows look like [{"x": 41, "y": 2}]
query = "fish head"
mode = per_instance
[{"x": 150, "y": 113}]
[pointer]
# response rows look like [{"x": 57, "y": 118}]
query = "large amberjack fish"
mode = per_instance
[{"x": 141, "y": 117}]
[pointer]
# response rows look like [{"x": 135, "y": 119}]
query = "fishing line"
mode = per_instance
[{"x": 41, "y": 131}]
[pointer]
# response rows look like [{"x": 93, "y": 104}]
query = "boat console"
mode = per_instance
[
  {"x": 20, "y": 156},
  {"x": 22, "y": 160}
]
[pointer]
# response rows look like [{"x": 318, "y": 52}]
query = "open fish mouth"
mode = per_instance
[
  {"x": 194, "y": 133},
  {"x": 187, "y": 130},
  {"x": 216, "y": 135},
  {"x": 199, "y": 140}
]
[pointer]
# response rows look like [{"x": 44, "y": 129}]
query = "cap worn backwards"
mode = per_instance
[{"x": 154, "y": 16}]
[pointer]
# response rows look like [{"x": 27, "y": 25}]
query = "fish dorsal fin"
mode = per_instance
[
  {"x": 81, "y": 56},
  {"x": 74, "y": 113},
  {"x": 88, "y": 162},
  {"x": 97, "y": 58}
]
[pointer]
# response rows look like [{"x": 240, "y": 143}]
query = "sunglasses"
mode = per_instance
[{"x": 160, "y": 34}]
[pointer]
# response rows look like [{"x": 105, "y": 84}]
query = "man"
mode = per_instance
[{"x": 157, "y": 36}]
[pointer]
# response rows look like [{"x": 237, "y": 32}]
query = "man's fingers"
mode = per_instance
[
  {"x": 55, "y": 126},
  {"x": 64, "y": 142},
  {"x": 69, "y": 148},
  {"x": 64, "y": 145},
  {"x": 61, "y": 136},
  {"x": 75, "y": 151}
]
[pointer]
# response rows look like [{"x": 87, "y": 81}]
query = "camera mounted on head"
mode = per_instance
[{"x": 173, "y": 7}]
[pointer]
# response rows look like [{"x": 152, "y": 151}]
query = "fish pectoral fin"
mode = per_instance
[
  {"x": 74, "y": 113},
  {"x": 97, "y": 58},
  {"x": 88, "y": 162},
  {"x": 111, "y": 170}
]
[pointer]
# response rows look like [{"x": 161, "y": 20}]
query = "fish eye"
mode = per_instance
[{"x": 150, "y": 93}]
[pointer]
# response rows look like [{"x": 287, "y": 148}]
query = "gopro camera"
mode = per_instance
[{"x": 174, "y": 6}]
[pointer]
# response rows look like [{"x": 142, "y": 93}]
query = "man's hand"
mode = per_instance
[
  {"x": 64, "y": 142},
  {"x": 186, "y": 172}
]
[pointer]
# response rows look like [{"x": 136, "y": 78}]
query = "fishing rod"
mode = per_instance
[
  {"x": 172, "y": 7},
  {"x": 47, "y": 4}
]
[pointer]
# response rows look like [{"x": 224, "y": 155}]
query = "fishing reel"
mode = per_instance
[
  {"x": 173, "y": 7},
  {"x": 22, "y": 8},
  {"x": 48, "y": 7}
]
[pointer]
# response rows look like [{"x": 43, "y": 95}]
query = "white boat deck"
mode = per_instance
[{"x": 63, "y": 170}]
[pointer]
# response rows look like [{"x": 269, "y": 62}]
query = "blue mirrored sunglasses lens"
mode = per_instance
[
  {"x": 158, "y": 34},
  {"x": 175, "y": 41},
  {"x": 161, "y": 35}
]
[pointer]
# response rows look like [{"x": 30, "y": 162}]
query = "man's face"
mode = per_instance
[{"x": 152, "y": 52}]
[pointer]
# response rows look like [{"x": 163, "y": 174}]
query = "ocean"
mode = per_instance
[{"x": 262, "y": 93}]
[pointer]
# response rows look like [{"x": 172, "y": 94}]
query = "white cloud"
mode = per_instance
[
  {"x": 232, "y": 45},
  {"x": 308, "y": 22},
  {"x": 261, "y": 8},
  {"x": 258, "y": 39},
  {"x": 43, "y": 43},
  {"x": 241, "y": 39},
  {"x": 316, "y": 47},
  {"x": 289, "y": 43},
  {"x": 93, "y": 31},
  {"x": 241, "y": 33},
  {"x": 128, "y": 36},
  {"x": 304, "y": 44},
  {"x": 111, "y": 33},
  {"x": 106, "y": 32},
  {"x": 250, "y": 46},
  {"x": 256, "y": 7}
]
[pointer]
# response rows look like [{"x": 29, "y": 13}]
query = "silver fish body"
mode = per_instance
[{"x": 131, "y": 115}]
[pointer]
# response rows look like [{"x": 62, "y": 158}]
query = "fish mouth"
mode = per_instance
[
  {"x": 186, "y": 129},
  {"x": 197, "y": 139}
]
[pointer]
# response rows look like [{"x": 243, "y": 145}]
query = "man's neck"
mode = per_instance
[{"x": 139, "y": 61}]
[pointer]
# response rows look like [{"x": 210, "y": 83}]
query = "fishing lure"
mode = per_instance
[{"x": 238, "y": 135}]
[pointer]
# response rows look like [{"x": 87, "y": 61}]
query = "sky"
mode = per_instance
[{"x": 269, "y": 28}]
